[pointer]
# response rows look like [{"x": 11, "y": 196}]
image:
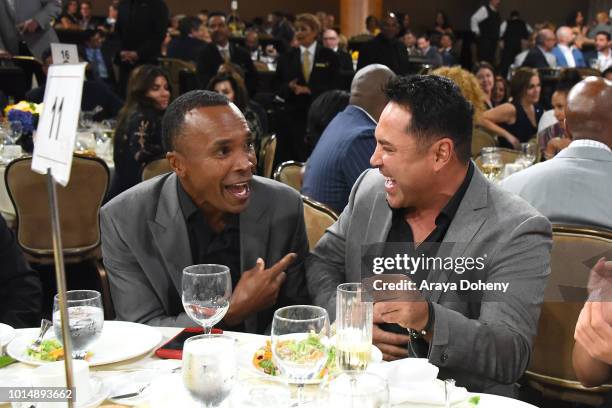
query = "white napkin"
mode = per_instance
[{"x": 413, "y": 380}]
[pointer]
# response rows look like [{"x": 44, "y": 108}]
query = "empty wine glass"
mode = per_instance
[
  {"x": 15, "y": 131},
  {"x": 207, "y": 290},
  {"x": 300, "y": 343},
  {"x": 491, "y": 162},
  {"x": 85, "y": 319},
  {"x": 528, "y": 153},
  {"x": 210, "y": 368}
]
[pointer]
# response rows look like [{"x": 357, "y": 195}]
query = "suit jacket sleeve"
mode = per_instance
[
  {"x": 498, "y": 344},
  {"x": 325, "y": 264},
  {"x": 20, "y": 287},
  {"x": 151, "y": 47},
  {"x": 133, "y": 297},
  {"x": 51, "y": 9}
]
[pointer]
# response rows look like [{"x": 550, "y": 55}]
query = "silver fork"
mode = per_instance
[{"x": 44, "y": 327}]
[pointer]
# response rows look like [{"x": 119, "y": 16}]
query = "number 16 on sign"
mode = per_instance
[{"x": 56, "y": 133}]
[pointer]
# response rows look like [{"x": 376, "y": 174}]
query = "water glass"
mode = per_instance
[
  {"x": 300, "y": 343},
  {"x": 85, "y": 319},
  {"x": 207, "y": 290},
  {"x": 365, "y": 391},
  {"x": 353, "y": 328},
  {"x": 210, "y": 368},
  {"x": 491, "y": 162}
]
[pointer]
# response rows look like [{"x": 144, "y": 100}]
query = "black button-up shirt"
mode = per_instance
[{"x": 208, "y": 246}]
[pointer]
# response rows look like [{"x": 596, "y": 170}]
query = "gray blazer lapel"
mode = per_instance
[
  {"x": 464, "y": 227},
  {"x": 254, "y": 231},
  {"x": 380, "y": 221},
  {"x": 170, "y": 233}
]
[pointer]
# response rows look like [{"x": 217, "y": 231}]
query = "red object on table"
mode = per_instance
[{"x": 173, "y": 349}]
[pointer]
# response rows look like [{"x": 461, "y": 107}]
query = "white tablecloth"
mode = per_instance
[{"x": 110, "y": 370}]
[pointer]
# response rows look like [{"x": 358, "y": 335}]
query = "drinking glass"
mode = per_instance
[
  {"x": 528, "y": 153},
  {"x": 207, "y": 290},
  {"x": 492, "y": 164},
  {"x": 15, "y": 131},
  {"x": 85, "y": 319},
  {"x": 210, "y": 368},
  {"x": 300, "y": 343},
  {"x": 353, "y": 328},
  {"x": 369, "y": 391}
]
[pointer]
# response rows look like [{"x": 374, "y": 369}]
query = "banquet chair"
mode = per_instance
[
  {"x": 173, "y": 67},
  {"x": 290, "y": 173},
  {"x": 30, "y": 64},
  {"x": 575, "y": 250},
  {"x": 155, "y": 168},
  {"x": 317, "y": 218},
  {"x": 507, "y": 156},
  {"x": 481, "y": 138},
  {"x": 13, "y": 82},
  {"x": 266, "y": 157},
  {"x": 79, "y": 204}
]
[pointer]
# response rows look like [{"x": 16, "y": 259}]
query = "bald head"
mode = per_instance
[
  {"x": 367, "y": 89},
  {"x": 565, "y": 35},
  {"x": 587, "y": 114}
]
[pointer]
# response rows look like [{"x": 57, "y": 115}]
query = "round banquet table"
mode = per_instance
[{"x": 110, "y": 370}]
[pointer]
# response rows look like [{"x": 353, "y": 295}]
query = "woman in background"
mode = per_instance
[
  {"x": 69, "y": 19},
  {"x": 500, "y": 91},
  {"x": 516, "y": 122},
  {"x": 138, "y": 135},
  {"x": 485, "y": 73}
]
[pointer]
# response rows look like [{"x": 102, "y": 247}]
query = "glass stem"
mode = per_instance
[
  {"x": 353, "y": 381},
  {"x": 300, "y": 395},
  {"x": 207, "y": 329}
]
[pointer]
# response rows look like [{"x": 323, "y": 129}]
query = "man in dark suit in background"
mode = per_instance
[
  {"x": 221, "y": 51},
  {"x": 429, "y": 52},
  {"x": 141, "y": 27},
  {"x": 20, "y": 287},
  {"x": 541, "y": 55},
  {"x": 330, "y": 40},
  {"x": 303, "y": 73},
  {"x": 385, "y": 49},
  {"x": 446, "y": 50},
  {"x": 188, "y": 45}
]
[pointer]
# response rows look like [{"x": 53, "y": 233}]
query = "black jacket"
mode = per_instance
[
  {"x": 20, "y": 287},
  {"x": 535, "y": 59},
  {"x": 209, "y": 60},
  {"x": 185, "y": 48},
  {"x": 141, "y": 26},
  {"x": 381, "y": 50},
  {"x": 346, "y": 62},
  {"x": 325, "y": 74}
]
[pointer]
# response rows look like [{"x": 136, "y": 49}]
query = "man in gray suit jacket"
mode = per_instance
[
  {"x": 209, "y": 210},
  {"x": 28, "y": 21},
  {"x": 575, "y": 187},
  {"x": 427, "y": 191}
]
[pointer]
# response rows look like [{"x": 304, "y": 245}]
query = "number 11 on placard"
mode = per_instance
[{"x": 56, "y": 111}]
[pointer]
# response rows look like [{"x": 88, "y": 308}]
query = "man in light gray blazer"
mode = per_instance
[
  {"x": 427, "y": 191},
  {"x": 575, "y": 187},
  {"x": 211, "y": 209},
  {"x": 28, "y": 21}
]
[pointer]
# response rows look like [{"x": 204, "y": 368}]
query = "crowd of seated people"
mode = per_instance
[{"x": 392, "y": 157}]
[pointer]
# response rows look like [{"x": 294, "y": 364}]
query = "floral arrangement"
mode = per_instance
[{"x": 25, "y": 112}]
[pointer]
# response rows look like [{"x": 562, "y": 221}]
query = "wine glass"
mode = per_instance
[
  {"x": 353, "y": 328},
  {"x": 369, "y": 391},
  {"x": 15, "y": 131},
  {"x": 210, "y": 368},
  {"x": 207, "y": 290},
  {"x": 528, "y": 153},
  {"x": 300, "y": 343},
  {"x": 85, "y": 319},
  {"x": 492, "y": 164}
]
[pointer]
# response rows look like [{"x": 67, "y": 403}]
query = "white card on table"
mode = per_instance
[
  {"x": 64, "y": 53},
  {"x": 57, "y": 125}
]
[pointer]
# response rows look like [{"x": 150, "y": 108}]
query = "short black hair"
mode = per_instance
[
  {"x": 425, "y": 36},
  {"x": 607, "y": 34},
  {"x": 567, "y": 79},
  {"x": 189, "y": 24},
  {"x": 217, "y": 14},
  {"x": 174, "y": 118},
  {"x": 438, "y": 110}
]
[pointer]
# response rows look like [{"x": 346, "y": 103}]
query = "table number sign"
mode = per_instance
[
  {"x": 56, "y": 133},
  {"x": 64, "y": 53}
]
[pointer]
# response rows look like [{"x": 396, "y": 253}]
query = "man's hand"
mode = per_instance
[
  {"x": 393, "y": 346},
  {"x": 600, "y": 287},
  {"x": 129, "y": 56},
  {"x": 594, "y": 333},
  {"x": 29, "y": 26},
  {"x": 410, "y": 315},
  {"x": 4, "y": 54},
  {"x": 257, "y": 289},
  {"x": 298, "y": 89}
]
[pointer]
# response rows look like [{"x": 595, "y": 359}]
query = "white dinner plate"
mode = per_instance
[
  {"x": 7, "y": 333},
  {"x": 247, "y": 350},
  {"x": 119, "y": 341}
]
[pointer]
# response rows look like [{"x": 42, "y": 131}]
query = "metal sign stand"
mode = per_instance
[{"x": 60, "y": 277}]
